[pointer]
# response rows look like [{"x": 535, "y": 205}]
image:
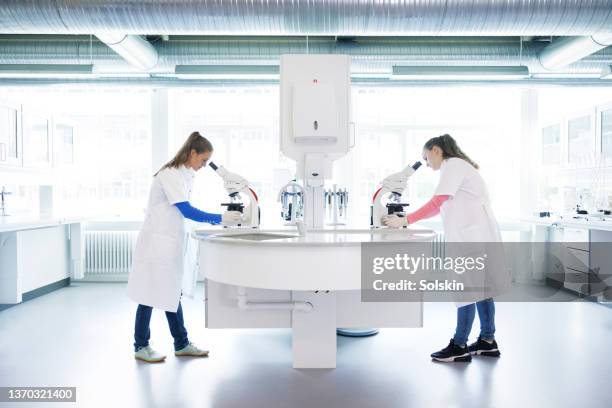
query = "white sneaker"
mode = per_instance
[
  {"x": 191, "y": 350},
  {"x": 149, "y": 355}
]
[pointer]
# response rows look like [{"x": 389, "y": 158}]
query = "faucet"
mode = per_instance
[
  {"x": 2, "y": 202},
  {"x": 300, "y": 227}
]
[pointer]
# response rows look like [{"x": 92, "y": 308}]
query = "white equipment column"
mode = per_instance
[
  {"x": 314, "y": 333},
  {"x": 315, "y": 130},
  {"x": 315, "y": 121}
]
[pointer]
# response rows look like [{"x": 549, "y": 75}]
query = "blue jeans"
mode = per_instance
[
  {"x": 465, "y": 318},
  {"x": 142, "y": 334}
]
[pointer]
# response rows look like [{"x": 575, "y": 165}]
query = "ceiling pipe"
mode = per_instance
[
  {"x": 182, "y": 83},
  {"x": 134, "y": 49},
  {"x": 307, "y": 17},
  {"x": 369, "y": 55},
  {"x": 567, "y": 50}
]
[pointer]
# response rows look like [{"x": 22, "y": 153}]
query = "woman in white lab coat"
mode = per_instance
[
  {"x": 462, "y": 200},
  {"x": 156, "y": 279}
]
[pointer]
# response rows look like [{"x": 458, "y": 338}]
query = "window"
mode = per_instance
[
  {"x": 243, "y": 124},
  {"x": 392, "y": 124},
  {"x": 551, "y": 145},
  {"x": 582, "y": 177},
  {"x": 64, "y": 144},
  {"x": 104, "y": 132},
  {"x": 606, "y": 133},
  {"x": 580, "y": 141},
  {"x": 111, "y": 141}
]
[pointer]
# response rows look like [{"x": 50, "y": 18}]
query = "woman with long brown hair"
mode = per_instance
[
  {"x": 462, "y": 200},
  {"x": 157, "y": 273}
]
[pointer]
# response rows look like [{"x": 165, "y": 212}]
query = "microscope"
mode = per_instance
[
  {"x": 236, "y": 187},
  {"x": 391, "y": 190}
]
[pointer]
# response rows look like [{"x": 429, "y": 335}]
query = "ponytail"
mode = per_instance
[
  {"x": 196, "y": 142},
  {"x": 449, "y": 148}
]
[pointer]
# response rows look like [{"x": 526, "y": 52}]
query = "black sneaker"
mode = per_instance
[
  {"x": 484, "y": 348},
  {"x": 452, "y": 352}
]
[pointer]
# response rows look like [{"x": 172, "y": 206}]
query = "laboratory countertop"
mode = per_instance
[
  {"x": 22, "y": 222},
  {"x": 568, "y": 222},
  {"x": 334, "y": 236}
]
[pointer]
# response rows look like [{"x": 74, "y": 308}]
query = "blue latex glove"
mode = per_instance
[{"x": 194, "y": 214}]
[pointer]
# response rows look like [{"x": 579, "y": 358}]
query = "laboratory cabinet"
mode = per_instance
[
  {"x": 35, "y": 258},
  {"x": 581, "y": 139},
  {"x": 10, "y": 135},
  {"x": 579, "y": 259},
  {"x": 63, "y": 144},
  {"x": 604, "y": 130},
  {"x": 33, "y": 138},
  {"x": 37, "y": 138},
  {"x": 601, "y": 264}
]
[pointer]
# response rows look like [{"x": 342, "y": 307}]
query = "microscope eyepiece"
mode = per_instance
[
  {"x": 415, "y": 166},
  {"x": 213, "y": 165}
]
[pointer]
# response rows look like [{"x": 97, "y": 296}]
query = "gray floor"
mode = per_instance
[{"x": 553, "y": 355}]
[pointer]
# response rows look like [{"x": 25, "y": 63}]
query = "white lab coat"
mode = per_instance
[
  {"x": 163, "y": 251},
  {"x": 467, "y": 217}
]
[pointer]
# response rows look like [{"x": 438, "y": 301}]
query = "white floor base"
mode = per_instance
[{"x": 314, "y": 332}]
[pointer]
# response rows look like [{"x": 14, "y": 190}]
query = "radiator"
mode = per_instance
[
  {"x": 438, "y": 249},
  {"x": 108, "y": 254},
  {"x": 438, "y": 245}
]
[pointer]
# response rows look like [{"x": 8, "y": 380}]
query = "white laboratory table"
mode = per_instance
[
  {"x": 273, "y": 278},
  {"x": 38, "y": 254},
  {"x": 328, "y": 259},
  {"x": 580, "y": 262}
]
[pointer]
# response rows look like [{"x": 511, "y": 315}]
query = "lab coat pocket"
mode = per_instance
[
  {"x": 473, "y": 233},
  {"x": 164, "y": 249},
  {"x": 472, "y": 240}
]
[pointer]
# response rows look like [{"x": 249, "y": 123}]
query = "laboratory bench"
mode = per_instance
[
  {"x": 577, "y": 255},
  {"x": 31, "y": 221},
  {"x": 569, "y": 222},
  {"x": 38, "y": 254}
]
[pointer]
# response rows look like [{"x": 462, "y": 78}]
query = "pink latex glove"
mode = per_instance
[{"x": 428, "y": 210}]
